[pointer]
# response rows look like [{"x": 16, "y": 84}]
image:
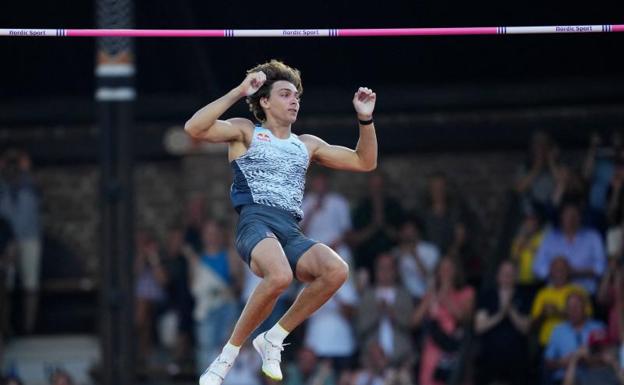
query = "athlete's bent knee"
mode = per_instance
[
  {"x": 338, "y": 273},
  {"x": 279, "y": 280}
]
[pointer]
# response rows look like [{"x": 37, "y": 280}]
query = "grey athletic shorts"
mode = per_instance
[{"x": 257, "y": 222}]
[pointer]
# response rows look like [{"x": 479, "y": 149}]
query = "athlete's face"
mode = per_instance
[{"x": 283, "y": 102}]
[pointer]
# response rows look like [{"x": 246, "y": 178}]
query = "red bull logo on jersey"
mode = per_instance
[{"x": 263, "y": 137}]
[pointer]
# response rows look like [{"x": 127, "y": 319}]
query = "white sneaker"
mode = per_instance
[
  {"x": 271, "y": 356},
  {"x": 216, "y": 372}
]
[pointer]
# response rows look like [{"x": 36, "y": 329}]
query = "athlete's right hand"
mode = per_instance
[{"x": 252, "y": 83}]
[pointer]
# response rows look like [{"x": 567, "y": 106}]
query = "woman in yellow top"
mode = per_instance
[
  {"x": 549, "y": 304},
  {"x": 524, "y": 248}
]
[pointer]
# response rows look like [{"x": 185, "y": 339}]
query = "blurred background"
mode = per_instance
[{"x": 486, "y": 248}]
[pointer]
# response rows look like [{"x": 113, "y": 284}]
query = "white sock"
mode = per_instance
[
  {"x": 277, "y": 334},
  {"x": 230, "y": 352}
]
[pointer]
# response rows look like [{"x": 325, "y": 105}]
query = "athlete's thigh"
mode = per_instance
[
  {"x": 268, "y": 256},
  {"x": 258, "y": 245},
  {"x": 316, "y": 261}
]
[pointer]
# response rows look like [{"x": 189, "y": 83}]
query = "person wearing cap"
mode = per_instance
[{"x": 595, "y": 364}]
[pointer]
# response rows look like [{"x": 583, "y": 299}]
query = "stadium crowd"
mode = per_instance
[{"x": 424, "y": 304}]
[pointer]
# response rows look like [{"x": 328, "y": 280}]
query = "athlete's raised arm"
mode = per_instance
[
  {"x": 364, "y": 157},
  {"x": 205, "y": 124}
]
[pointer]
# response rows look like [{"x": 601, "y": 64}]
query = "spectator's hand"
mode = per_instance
[
  {"x": 568, "y": 359},
  {"x": 443, "y": 299},
  {"x": 581, "y": 353},
  {"x": 609, "y": 358},
  {"x": 505, "y": 301},
  {"x": 513, "y": 311},
  {"x": 430, "y": 303}
]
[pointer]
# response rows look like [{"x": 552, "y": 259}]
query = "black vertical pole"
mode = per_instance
[{"x": 115, "y": 95}]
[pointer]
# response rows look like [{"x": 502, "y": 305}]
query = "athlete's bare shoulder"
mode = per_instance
[
  {"x": 245, "y": 126},
  {"x": 312, "y": 142}
]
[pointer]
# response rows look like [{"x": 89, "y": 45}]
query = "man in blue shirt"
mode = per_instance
[
  {"x": 569, "y": 336},
  {"x": 582, "y": 247}
]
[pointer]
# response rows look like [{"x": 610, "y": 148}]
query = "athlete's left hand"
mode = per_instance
[{"x": 364, "y": 103}]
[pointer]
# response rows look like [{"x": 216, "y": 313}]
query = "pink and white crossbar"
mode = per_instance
[{"x": 363, "y": 32}]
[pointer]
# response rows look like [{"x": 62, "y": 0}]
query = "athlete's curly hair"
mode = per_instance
[{"x": 274, "y": 70}]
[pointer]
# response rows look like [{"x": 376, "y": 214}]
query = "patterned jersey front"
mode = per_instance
[{"x": 272, "y": 173}]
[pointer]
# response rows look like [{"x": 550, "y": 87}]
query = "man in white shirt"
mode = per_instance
[
  {"x": 326, "y": 218},
  {"x": 329, "y": 331}
]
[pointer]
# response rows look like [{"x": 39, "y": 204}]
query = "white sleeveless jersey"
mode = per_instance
[{"x": 272, "y": 172}]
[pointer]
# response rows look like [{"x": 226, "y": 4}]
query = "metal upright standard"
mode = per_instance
[{"x": 115, "y": 96}]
